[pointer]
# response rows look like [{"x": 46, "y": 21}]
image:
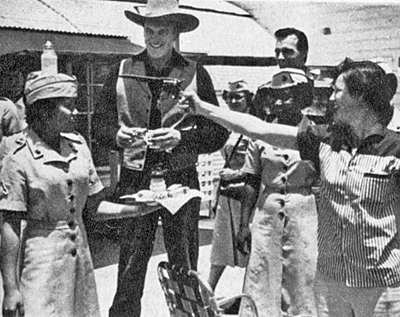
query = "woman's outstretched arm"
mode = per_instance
[{"x": 243, "y": 123}]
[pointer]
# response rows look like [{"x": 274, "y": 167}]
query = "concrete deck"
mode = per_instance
[
  {"x": 105, "y": 258},
  {"x": 153, "y": 302}
]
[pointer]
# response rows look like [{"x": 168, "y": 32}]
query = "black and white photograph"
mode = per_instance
[{"x": 191, "y": 158}]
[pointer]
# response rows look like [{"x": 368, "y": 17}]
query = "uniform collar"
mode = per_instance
[{"x": 40, "y": 150}]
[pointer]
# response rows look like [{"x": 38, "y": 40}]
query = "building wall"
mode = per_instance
[
  {"x": 254, "y": 76},
  {"x": 356, "y": 30},
  {"x": 359, "y": 31}
]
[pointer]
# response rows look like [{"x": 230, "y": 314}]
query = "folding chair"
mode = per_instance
[{"x": 187, "y": 295}]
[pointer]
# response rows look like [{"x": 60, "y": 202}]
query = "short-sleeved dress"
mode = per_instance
[
  {"x": 227, "y": 220},
  {"x": 282, "y": 262},
  {"x": 50, "y": 189}
]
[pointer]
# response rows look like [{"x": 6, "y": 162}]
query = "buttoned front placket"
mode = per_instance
[
  {"x": 283, "y": 189},
  {"x": 349, "y": 219},
  {"x": 68, "y": 153},
  {"x": 72, "y": 222}
]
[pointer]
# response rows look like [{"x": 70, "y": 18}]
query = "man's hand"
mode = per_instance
[
  {"x": 131, "y": 137},
  {"x": 163, "y": 139},
  {"x": 243, "y": 239},
  {"x": 192, "y": 100},
  {"x": 12, "y": 301}
]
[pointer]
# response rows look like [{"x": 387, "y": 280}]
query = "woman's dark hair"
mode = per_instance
[
  {"x": 40, "y": 110},
  {"x": 367, "y": 80}
]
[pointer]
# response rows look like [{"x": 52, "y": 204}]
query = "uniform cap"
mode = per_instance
[
  {"x": 39, "y": 86},
  {"x": 287, "y": 77},
  {"x": 237, "y": 86}
]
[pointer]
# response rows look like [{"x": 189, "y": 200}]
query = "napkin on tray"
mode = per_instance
[
  {"x": 176, "y": 203},
  {"x": 172, "y": 204}
]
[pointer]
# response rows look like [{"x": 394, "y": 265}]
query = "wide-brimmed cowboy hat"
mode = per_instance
[{"x": 167, "y": 10}]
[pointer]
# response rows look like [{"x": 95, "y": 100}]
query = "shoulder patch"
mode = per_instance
[
  {"x": 15, "y": 142},
  {"x": 4, "y": 189}
]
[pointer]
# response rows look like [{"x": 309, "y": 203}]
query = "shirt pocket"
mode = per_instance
[
  {"x": 378, "y": 175},
  {"x": 377, "y": 187}
]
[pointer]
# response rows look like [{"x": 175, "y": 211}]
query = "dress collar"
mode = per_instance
[{"x": 39, "y": 149}]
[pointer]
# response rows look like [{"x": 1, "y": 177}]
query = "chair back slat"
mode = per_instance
[{"x": 184, "y": 293}]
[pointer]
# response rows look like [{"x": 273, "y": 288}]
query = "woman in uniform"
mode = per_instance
[
  {"x": 46, "y": 179},
  {"x": 282, "y": 264},
  {"x": 223, "y": 251}
]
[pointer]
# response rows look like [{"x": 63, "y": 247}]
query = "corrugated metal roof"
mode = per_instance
[
  {"x": 72, "y": 16},
  {"x": 218, "y": 34},
  {"x": 16, "y": 40}
]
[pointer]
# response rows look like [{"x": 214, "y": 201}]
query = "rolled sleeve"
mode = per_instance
[
  {"x": 95, "y": 184},
  {"x": 252, "y": 164},
  {"x": 13, "y": 191}
]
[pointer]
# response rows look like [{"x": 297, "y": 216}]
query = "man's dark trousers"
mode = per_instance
[{"x": 181, "y": 239}]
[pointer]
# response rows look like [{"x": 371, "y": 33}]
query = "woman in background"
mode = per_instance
[
  {"x": 281, "y": 269},
  {"x": 223, "y": 251}
]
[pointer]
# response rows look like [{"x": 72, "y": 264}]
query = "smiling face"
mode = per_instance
[
  {"x": 159, "y": 38},
  {"x": 287, "y": 54},
  {"x": 236, "y": 101}
]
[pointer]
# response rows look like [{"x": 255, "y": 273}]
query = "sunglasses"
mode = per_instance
[{"x": 233, "y": 96}]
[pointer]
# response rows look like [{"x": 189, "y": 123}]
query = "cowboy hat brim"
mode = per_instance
[{"x": 186, "y": 22}]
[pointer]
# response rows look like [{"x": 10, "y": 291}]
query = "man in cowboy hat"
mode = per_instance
[{"x": 129, "y": 107}]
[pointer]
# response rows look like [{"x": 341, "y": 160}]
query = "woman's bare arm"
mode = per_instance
[
  {"x": 10, "y": 245},
  {"x": 243, "y": 123}
]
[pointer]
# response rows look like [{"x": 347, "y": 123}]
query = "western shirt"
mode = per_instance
[{"x": 206, "y": 138}]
